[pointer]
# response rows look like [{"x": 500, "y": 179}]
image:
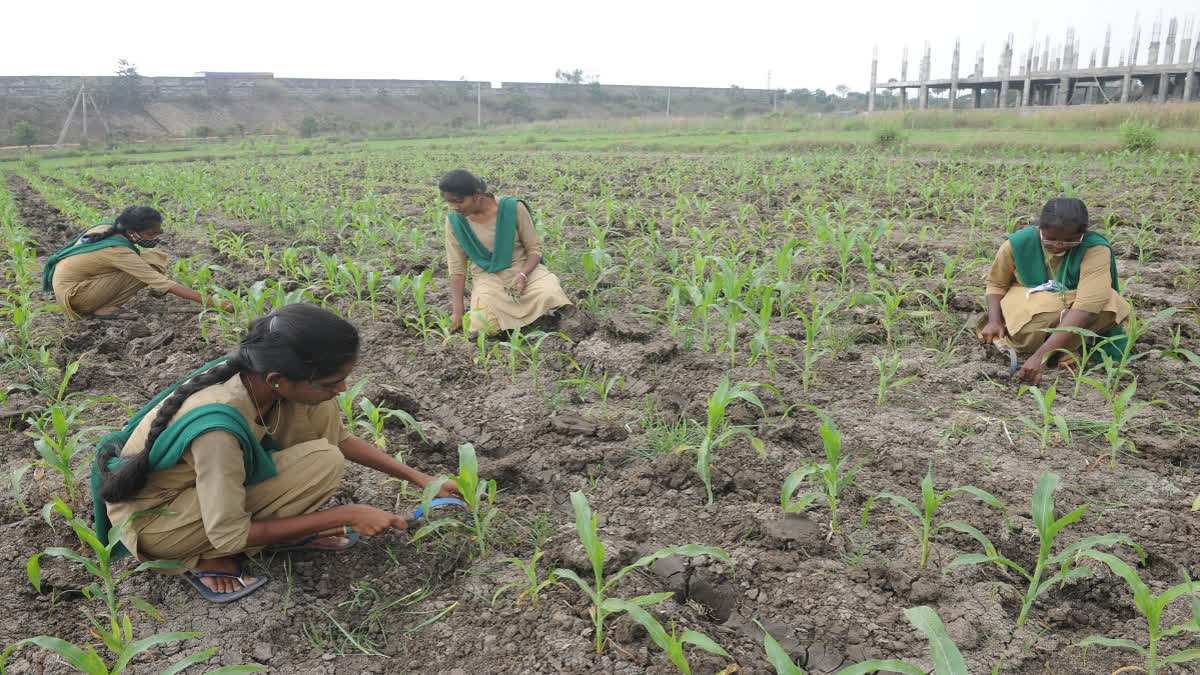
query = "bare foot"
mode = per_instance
[{"x": 222, "y": 584}]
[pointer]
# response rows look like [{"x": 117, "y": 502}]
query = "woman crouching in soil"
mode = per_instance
[
  {"x": 1054, "y": 275},
  {"x": 242, "y": 455},
  {"x": 109, "y": 263},
  {"x": 509, "y": 285}
]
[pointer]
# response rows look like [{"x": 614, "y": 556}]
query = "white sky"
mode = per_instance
[{"x": 803, "y": 44}]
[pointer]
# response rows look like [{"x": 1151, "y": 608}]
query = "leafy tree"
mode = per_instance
[
  {"x": 569, "y": 77},
  {"x": 24, "y": 133},
  {"x": 308, "y": 127},
  {"x": 127, "y": 88},
  {"x": 841, "y": 89}
]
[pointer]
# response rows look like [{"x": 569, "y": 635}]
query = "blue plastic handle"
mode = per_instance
[{"x": 444, "y": 501}]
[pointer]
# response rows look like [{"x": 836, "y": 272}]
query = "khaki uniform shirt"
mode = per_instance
[
  {"x": 525, "y": 244},
  {"x": 1093, "y": 294},
  {"x": 85, "y": 266},
  {"x": 213, "y": 464}
]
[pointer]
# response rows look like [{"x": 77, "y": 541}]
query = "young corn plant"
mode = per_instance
[
  {"x": 887, "y": 372},
  {"x": 1048, "y": 528},
  {"x": 480, "y": 496},
  {"x": 831, "y": 478},
  {"x": 603, "y": 386},
  {"x": 88, "y": 662},
  {"x": 115, "y": 629},
  {"x": 1050, "y": 421},
  {"x": 1123, "y": 410},
  {"x": 926, "y": 518},
  {"x": 374, "y": 418},
  {"x": 1151, "y": 608},
  {"x": 532, "y": 587},
  {"x": 718, "y": 432},
  {"x": 816, "y": 322},
  {"x": 947, "y": 660},
  {"x": 597, "y": 590},
  {"x": 672, "y": 643}
]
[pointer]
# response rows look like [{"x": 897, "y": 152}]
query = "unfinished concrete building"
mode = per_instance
[{"x": 1054, "y": 76}]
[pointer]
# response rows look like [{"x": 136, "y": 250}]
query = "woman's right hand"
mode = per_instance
[
  {"x": 371, "y": 521},
  {"x": 994, "y": 330},
  {"x": 456, "y": 319}
]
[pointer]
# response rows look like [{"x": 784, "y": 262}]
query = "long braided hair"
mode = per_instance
[
  {"x": 132, "y": 219},
  {"x": 301, "y": 342}
]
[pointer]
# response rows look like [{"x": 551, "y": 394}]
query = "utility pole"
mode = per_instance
[
  {"x": 668, "y": 101},
  {"x": 81, "y": 98},
  {"x": 478, "y": 104}
]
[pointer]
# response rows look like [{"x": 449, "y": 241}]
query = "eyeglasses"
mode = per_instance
[{"x": 1065, "y": 243}]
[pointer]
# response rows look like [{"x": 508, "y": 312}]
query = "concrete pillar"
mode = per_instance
[
  {"x": 1107, "y": 41},
  {"x": 1155, "y": 32},
  {"x": 1027, "y": 85},
  {"x": 954, "y": 76},
  {"x": 1189, "y": 80},
  {"x": 1046, "y": 55},
  {"x": 1169, "y": 53},
  {"x": 923, "y": 90},
  {"x": 904, "y": 78},
  {"x": 1127, "y": 80},
  {"x": 1004, "y": 71},
  {"x": 975, "y": 98},
  {"x": 1164, "y": 85},
  {"x": 1185, "y": 41},
  {"x": 874, "y": 70}
]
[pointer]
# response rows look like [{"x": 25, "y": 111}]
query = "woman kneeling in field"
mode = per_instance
[
  {"x": 243, "y": 454},
  {"x": 107, "y": 265},
  {"x": 509, "y": 285},
  {"x": 1054, "y": 275}
]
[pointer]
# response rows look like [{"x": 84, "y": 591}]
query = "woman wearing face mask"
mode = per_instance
[
  {"x": 109, "y": 263},
  {"x": 1056, "y": 274}
]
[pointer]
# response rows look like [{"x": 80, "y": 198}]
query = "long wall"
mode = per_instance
[{"x": 58, "y": 88}]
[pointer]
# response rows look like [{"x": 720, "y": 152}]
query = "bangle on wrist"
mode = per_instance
[{"x": 524, "y": 276}]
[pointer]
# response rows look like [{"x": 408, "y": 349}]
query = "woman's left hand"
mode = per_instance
[{"x": 1032, "y": 369}]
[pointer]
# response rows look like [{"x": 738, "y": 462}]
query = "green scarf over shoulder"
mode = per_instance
[
  {"x": 1030, "y": 262},
  {"x": 506, "y": 233},
  {"x": 74, "y": 249},
  {"x": 174, "y": 441}
]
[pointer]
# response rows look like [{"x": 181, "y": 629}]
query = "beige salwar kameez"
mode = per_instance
[
  {"x": 1027, "y": 314},
  {"x": 212, "y": 508},
  {"x": 489, "y": 294},
  {"x": 97, "y": 282}
]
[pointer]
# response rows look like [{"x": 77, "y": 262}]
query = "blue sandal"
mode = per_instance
[{"x": 194, "y": 578}]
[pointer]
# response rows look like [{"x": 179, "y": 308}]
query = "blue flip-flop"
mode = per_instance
[
  {"x": 307, "y": 545},
  {"x": 213, "y": 596},
  {"x": 412, "y": 518}
]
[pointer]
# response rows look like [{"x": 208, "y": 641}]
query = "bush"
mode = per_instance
[
  {"x": 24, "y": 133},
  {"x": 1138, "y": 134},
  {"x": 32, "y": 163},
  {"x": 887, "y": 134},
  {"x": 308, "y": 127},
  {"x": 202, "y": 131}
]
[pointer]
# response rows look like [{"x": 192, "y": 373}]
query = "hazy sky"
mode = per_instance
[{"x": 803, "y": 44}]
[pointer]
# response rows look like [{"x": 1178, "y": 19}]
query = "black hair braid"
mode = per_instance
[
  {"x": 131, "y": 474},
  {"x": 134, "y": 218}
]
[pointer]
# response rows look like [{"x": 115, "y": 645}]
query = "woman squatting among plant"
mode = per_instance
[
  {"x": 1056, "y": 274},
  {"x": 242, "y": 455},
  {"x": 109, "y": 263},
  {"x": 509, "y": 285}
]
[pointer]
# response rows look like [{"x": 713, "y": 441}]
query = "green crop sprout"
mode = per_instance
[
  {"x": 671, "y": 643},
  {"x": 603, "y": 386},
  {"x": 947, "y": 660},
  {"x": 345, "y": 401},
  {"x": 374, "y": 418},
  {"x": 1045, "y": 402},
  {"x": 532, "y": 587},
  {"x": 116, "y": 631},
  {"x": 1123, "y": 410},
  {"x": 816, "y": 322},
  {"x": 480, "y": 495},
  {"x": 1151, "y": 608},
  {"x": 89, "y": 662},
  {"x": 1048, "y": 528},
  {"x": 597, "y": 591},
  {"x": 718, "y": 432},
  {"x": 925, "y": 516},
  {"x": 887, "y": 371},
  {"x": 834, "y": 476}
]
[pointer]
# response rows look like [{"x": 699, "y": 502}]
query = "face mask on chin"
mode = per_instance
[{"x": 147, "y": 243}]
